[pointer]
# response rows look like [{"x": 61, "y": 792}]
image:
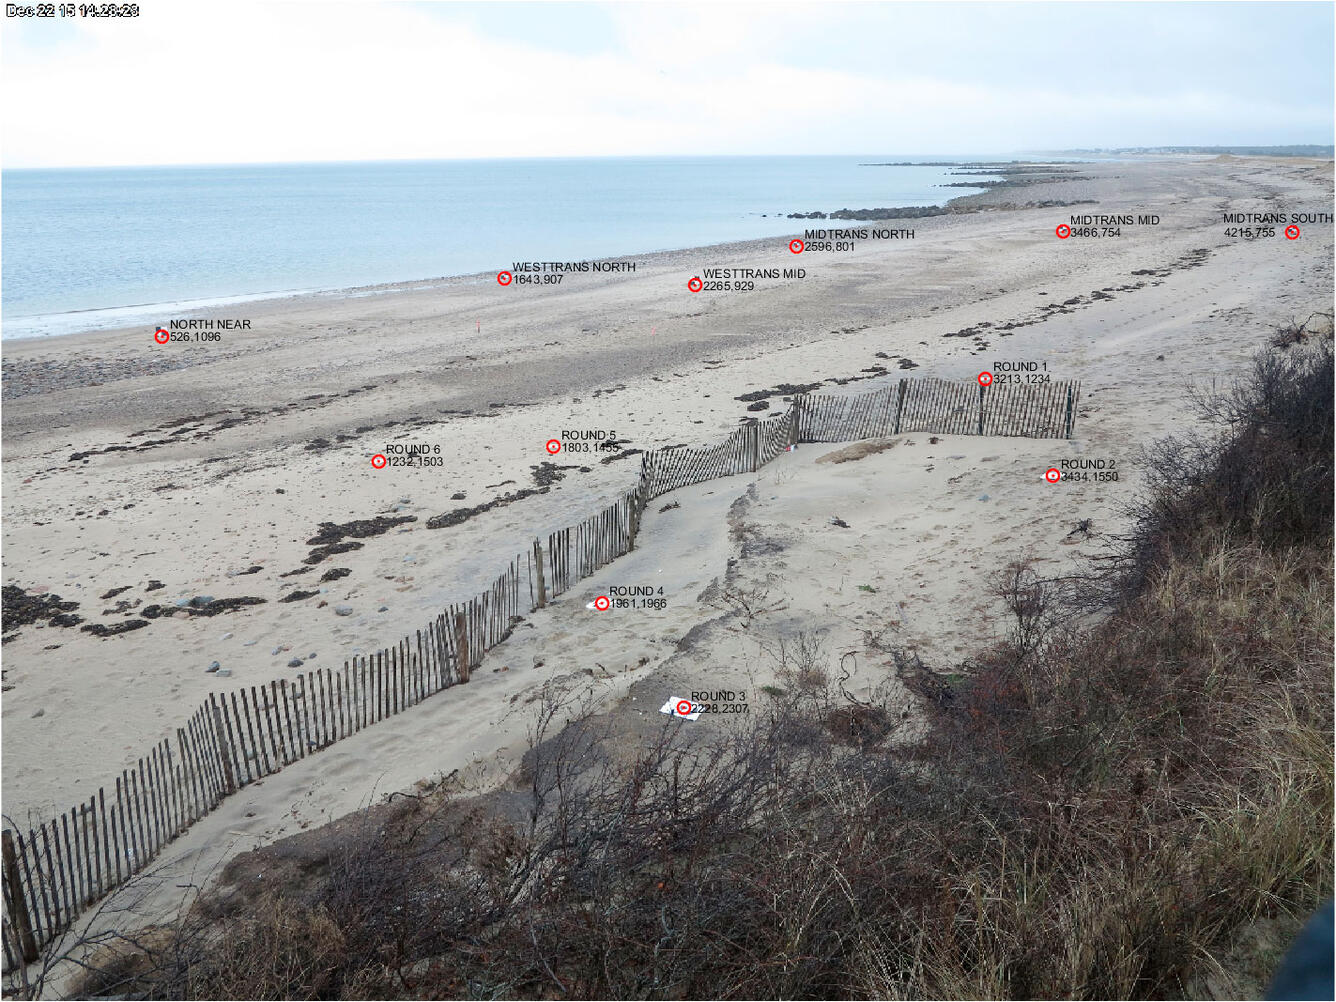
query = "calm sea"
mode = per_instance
[{"x": 88, "y": 248}]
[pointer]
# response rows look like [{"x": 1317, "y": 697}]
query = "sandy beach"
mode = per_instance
[{"x": 140, "y": 475}]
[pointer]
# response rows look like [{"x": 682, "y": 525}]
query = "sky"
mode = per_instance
[{"x": 198, "y": 81}]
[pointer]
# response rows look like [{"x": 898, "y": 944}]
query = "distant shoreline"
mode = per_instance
[
  {"x": 75, "y": 322},
  {"x": 212, "y": 235}
]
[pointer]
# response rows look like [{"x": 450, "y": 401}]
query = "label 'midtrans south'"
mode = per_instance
[
  {"x": 1261, "y": 225},
  {"x": 1276, "y": 218}
]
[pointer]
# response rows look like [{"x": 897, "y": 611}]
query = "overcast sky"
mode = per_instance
[{"x": 231, "y": 82}]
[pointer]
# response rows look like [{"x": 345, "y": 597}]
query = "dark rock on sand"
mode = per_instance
[
  {"x": 460, "y": 515},
  {"x": 782, "y": 390},
  {"x": 321, "y": 552},
  {"x": 332, "y": 537},
  {"x": 102, "y": 630},
  {"x": 22, "y": 609},
  {"x": 547, "y": 473},
  {"x": 212, "y": 609}
]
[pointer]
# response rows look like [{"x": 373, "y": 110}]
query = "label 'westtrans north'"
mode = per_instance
[{"x": 569, "y": 267}]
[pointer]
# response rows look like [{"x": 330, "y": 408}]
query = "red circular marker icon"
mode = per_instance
[
  {"x": 1052, "y": 475},
  {"x": 797, "y": 246},
  {"x": 504, "y": 278},
  {"x": 985, "y": 379},
  {"x": 161, "y": 336},
  {"x": 683, "y": 708},
  {"x": 602, "y": 603},
  {"x": 553, "y": 447},
  {"x": 694, "y": 284},
  {"x": 1291, "y": 233},
  {"x": 1063, "y": 231},
  {"x": 379, "y": 461}
]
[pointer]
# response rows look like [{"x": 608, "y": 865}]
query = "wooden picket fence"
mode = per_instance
[{"x": 60, "y": 868}]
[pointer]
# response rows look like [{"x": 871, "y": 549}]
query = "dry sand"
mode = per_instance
[{"x": 928, "y": 523}]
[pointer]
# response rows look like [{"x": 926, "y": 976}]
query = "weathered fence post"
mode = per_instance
[
  {"x": 637, "y": 509},
  {"x": 224, "y": 758},
  {"x": 542, "y": 579},
  {"x": 981, "y": 408},
  {"x": 462, "y": 647},
  {"x": 1069, "y": 411},
  {"x": 15, "y": 900},
  {"x": 899, "y": 406}
]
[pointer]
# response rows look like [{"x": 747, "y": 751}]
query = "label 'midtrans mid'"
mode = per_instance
[{"x": 1104, "y": 224}]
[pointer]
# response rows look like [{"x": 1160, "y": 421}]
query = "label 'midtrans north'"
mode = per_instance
[{"x": 845, "y": 239}]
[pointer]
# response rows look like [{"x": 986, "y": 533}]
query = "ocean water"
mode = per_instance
[{"x": 89, "y": 248}]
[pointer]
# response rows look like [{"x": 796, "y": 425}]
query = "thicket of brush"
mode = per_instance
[{"x": 1118, "y": 811}]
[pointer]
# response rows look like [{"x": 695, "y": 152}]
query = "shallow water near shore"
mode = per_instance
[{"x": 87, "y": 249}]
